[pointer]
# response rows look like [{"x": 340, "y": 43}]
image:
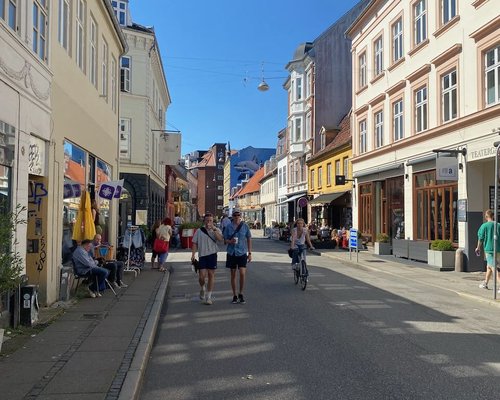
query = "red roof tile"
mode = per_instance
[{"x": 252, "y": 185}]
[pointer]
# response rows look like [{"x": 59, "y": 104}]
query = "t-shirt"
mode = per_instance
[
  {"x": 240, "y": 248},
  {"x": 164, "y": 232},
  {"x": 206, "y": 245},
  {"x": 299, "y": 239},
  {"x": 485, "y": 235}
]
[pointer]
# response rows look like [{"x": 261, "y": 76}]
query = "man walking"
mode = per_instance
[
  {"x": 238, "y": 238},
  {"x": 485, "y": 241},
  {"x": 205, "y": 243}
]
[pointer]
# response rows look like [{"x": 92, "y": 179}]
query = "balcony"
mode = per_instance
[{"x": 297, "y": 149}]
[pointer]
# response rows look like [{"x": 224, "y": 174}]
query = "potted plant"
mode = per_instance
[
  {"x": 382, "y": 247},
  {"x": 442, "y": 255},
  {"x": 11, "y": 262}
]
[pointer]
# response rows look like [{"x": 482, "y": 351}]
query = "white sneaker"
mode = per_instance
[
  {"x": 92, "y": 294},
  {"x": 209, "y": 301},
  {"x": 98, "y": 294},
  {"x": 483, "y": 285},
  {"x": 123, "y": 285},
  {"x": 202, "y": 293},
  {"x": 115, "y": 285}
]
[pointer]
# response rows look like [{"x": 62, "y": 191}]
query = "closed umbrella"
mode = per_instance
[{"x": 84, "y": 226}]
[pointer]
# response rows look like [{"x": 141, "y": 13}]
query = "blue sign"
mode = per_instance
[{"x": 353, "y": 238}]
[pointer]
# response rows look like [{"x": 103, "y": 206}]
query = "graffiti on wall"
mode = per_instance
[{"x": 37, "y": 192}]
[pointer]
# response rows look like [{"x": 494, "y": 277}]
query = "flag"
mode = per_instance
[
  {"x": 111, "y": 189},
  {"x": 77, "y": 189},
  {"x": 68, "y": 191}
]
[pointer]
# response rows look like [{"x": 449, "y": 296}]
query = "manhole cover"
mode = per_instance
[{"x": 376, "y": 261}]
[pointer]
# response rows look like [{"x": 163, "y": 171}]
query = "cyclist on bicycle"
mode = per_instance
[{"x": 300, "y": 236}]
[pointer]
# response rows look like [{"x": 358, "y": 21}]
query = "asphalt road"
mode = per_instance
[{"x": 354, "y": 333}]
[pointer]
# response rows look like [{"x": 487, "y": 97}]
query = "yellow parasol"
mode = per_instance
[{"x": 84, "y": 227}]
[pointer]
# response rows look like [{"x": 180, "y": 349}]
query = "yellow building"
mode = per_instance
[
  {"x": 85, "y": 48},
  {"x": 331, "y": 200}
]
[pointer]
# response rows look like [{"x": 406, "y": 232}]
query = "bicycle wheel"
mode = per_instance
[
  {"x": 296, "y": 273},
  {"x": 303, "y": 275}
]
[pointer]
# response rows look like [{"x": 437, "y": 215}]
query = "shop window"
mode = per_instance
[
  {"x": 366, "y": 208},
  {"x": 436, "y": 208}
]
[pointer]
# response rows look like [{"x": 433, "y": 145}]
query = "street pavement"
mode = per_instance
[{"x": 99, "y": 348}]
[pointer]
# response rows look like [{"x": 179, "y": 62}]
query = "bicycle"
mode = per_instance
[{"x": 300, "y": 271}]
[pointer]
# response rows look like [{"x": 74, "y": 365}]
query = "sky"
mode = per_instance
[{"x": 215, "y": 54}]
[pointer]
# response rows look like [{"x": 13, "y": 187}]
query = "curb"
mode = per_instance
[{"x": 133, "y": 380}]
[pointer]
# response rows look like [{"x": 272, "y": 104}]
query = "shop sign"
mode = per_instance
[
  {"x": 36, "y": 157},
  {"x": 462, "y": 210},
  {"x": 481, "y": 150},
  {"x": 447, "y": 168}
]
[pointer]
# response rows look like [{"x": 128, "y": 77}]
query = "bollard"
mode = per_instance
[{"x": 459, "y": 260}]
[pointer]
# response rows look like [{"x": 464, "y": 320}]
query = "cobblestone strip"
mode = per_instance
[
  {"x": 116, "y": 385},
  {"x": 38, "y": 388}
]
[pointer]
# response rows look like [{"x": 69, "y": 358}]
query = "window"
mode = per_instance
[
  {"x": 93, "y": 52},
  {"x": 308, "y": 126},
  {"x": 80, "y": 34},
  {"x": 120, "y": 8},
  {"x": 104, "y": 69},
  {"x": 320, "y": 177},
  {"x": 322, "y": 140},
  {"x": 125, "y": 125},
  {"x": 449, "y": 95},
  {"x": 421, "y": 110},
  {"x": 420, "y": 22},
  {"x": 40, "y": 28},
  {"x": 397, "y": 123},
  {"x": 298, "y": 129},
  {"x": 125, "y": 74},
  {"x": 362, "y": 70},
  {"x": 64, "y": 29},
  {"x": 311, "y": 185},
  {"x": 492, "y": 75},
  {"x": 308, "y": 84},
  {"x": 328, "y": 174},
  {"x": 379, "y": 129},
  {"x": 284, "y": 176},
  {"x": 298, "y": 89},
  {"x": 113, "y": 84},
  {"x": 397, "y": 40},
  {"x": 379, "y": 56},
  {"x": 448, "y": 10},
  {"x": 346, "y": 167},
  {"x": 337, "y": 168},
  {"x": 362, "y": 137},
  {"x": 8, "y": 12}
]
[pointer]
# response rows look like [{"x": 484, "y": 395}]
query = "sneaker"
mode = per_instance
[
  {"x": 115, "y": 285},
  {"x": 92, "y": 294},
  {"x": 235, "y": 300},
  {"x": 98, "y": 294},
  {"x": 123, "y": 285},
  {"x": 202, "y": 293},
  {"x": 483, "y": 285},
  {"x": 209, "y": 301},
  {"x": 241, "y": 299}
]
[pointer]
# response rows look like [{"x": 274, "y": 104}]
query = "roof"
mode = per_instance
[
  {"x": 343, "y": 137},
  {"x": 252, "y": 185},
  {"x": 208, "y": 159}
]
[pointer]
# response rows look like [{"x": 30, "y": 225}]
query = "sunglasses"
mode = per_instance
[{"x": 236, "y": 215}]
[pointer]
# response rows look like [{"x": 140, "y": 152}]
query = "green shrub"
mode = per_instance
[
  {"x": 442, "y": 245},
  {"x": 190, "y": 225},
  {"x": 382, "y": 238}
]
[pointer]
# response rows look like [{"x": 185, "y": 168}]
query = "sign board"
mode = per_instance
[
  {"x": 339, "y": 179},
  {"x": 462, "y": 210},
  {"x": 447, "y": 168},
  {"x": 353, "y": 238},
  {"x": 170, "y": 149},
  {"x": 302, "y": 202}
]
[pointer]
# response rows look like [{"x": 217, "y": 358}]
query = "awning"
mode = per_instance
[
  {"x": 297, "y": 196},
  {"x": 326, "y": 198}
]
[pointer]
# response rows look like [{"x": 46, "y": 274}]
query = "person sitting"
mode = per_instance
[
  {"x": 335, "y": 238},
  {"x": 85, "y": 265},
  {"x": 115, "y": 267}
]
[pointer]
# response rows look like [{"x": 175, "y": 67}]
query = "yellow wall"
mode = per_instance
[{"x": 335, "y": 155}]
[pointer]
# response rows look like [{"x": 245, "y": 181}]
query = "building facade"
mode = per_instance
[
  {"x": 144, "y": 99},
  {"x": 26, "y": 136},
  {"x": 85, "y": 44},
  {"x": 426, "y": 80},
  {"x": 268, "y": 193}
]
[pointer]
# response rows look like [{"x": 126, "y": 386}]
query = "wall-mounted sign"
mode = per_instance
[
  {"x": 447, "y": 168},
  {"x": 462, "y": 210}
]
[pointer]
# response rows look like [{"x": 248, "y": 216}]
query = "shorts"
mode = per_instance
[
  {"x": 234, "y": 262},
  {"x": 208, "y": 262},
  {"x": 489, "y": 260}
]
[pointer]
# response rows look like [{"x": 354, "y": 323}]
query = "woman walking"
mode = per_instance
[
  {"x": 154, "y": 254},
  {"x": 205, "y": 243},
  {"x": 164, "y": 232}
]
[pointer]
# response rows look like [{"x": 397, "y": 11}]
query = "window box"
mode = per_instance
[
  {"x": 445, "y": 260},
  {"x": 400, "y": 247},
  {"x": 382, "y": 249}
]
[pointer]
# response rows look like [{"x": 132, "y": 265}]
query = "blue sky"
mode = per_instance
[{"x": 213, "y": 53}]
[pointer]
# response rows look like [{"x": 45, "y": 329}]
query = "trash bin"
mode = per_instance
[{"x": 29, "y": 305}]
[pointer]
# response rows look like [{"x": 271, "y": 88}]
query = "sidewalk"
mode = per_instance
[
  {"x": 465, "y": 284},
  {"x": 97, "y": 349}
]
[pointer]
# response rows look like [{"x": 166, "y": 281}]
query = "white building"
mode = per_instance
[
  {"x": 426, "y": 77},
  {"x": 269, "y": 193},
  {"x": 144, "y": 99},
  {"x": 282, "y": 182}
]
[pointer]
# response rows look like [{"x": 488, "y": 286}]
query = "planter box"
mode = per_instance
[
  {"x": 400, "y": 247},
  {"x": 382, "y": 249},
  {"x": 445, "y": 260},
  {"x": 417, "y": 249}
]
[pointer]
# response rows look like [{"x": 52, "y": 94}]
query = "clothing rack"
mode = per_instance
[{"x": 128, "y": 267}]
